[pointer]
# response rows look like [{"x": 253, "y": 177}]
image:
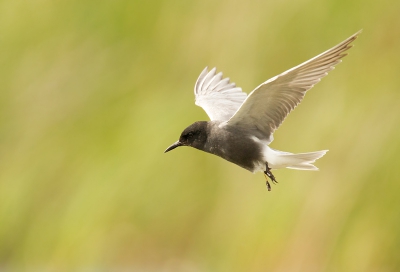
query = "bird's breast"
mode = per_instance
[{"x": 236, "y": 147}]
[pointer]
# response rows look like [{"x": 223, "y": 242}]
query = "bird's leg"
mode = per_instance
[{"x": 269, "y": 174}]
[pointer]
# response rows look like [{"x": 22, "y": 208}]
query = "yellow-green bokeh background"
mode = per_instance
[{"x": 92, "y": 92}]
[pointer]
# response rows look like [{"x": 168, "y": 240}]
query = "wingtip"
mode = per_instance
[
  {"x": 199, "y": 79},
  {"x": 206, "y": 69},
  {"x": 355, "y": 35}
]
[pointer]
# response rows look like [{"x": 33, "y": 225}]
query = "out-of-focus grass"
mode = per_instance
[{"x": 92, "y": 92}]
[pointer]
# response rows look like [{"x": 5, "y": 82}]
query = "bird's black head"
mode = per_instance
[{"x": 194, "y": 135}]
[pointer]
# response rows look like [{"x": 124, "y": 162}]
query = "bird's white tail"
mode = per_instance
[{"x": 302, "y": 161}]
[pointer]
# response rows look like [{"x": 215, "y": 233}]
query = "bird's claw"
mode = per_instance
[
  {"x": 268, "y": 174},
  {"x": 268, "y": 185}
]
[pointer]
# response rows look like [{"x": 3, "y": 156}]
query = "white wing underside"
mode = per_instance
[
  {"x": 217, "y": 96},
  {"x": 264, "y": 110}
]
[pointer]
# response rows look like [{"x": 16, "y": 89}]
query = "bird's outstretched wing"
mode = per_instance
[
  {"x": 217, "y": 96},
  {"x": 268, "y": 105}
]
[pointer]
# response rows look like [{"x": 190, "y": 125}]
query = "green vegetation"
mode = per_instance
[{"x": 92, "y": 92}]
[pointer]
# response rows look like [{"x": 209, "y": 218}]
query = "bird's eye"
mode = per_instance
[{"x": 190, "y": 135}]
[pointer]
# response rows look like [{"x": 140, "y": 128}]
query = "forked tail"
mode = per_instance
[{"x": 301, "y": 161}]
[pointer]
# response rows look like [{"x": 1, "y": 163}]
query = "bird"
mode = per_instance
[{"x": 241, "y": 126}]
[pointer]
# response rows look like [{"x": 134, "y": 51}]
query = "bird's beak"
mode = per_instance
[{"x": 173, "y": 146}]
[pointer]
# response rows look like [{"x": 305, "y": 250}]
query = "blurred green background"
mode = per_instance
[{"x": 92, "y": 92}]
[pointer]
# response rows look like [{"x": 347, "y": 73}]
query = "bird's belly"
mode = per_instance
[{"x": 246, "y": 154}]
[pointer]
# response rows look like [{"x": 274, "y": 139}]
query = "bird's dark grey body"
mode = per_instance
[{"x": 233, "y": 144}]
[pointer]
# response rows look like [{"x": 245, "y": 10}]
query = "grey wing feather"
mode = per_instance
[
  {"x": 219, "y": 98},
  {"x": 268, "y": 105}
]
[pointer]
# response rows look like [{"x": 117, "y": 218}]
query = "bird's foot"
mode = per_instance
[
  {"x": 268, "y": 174},
  {"x": 267, "y": 183}
]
